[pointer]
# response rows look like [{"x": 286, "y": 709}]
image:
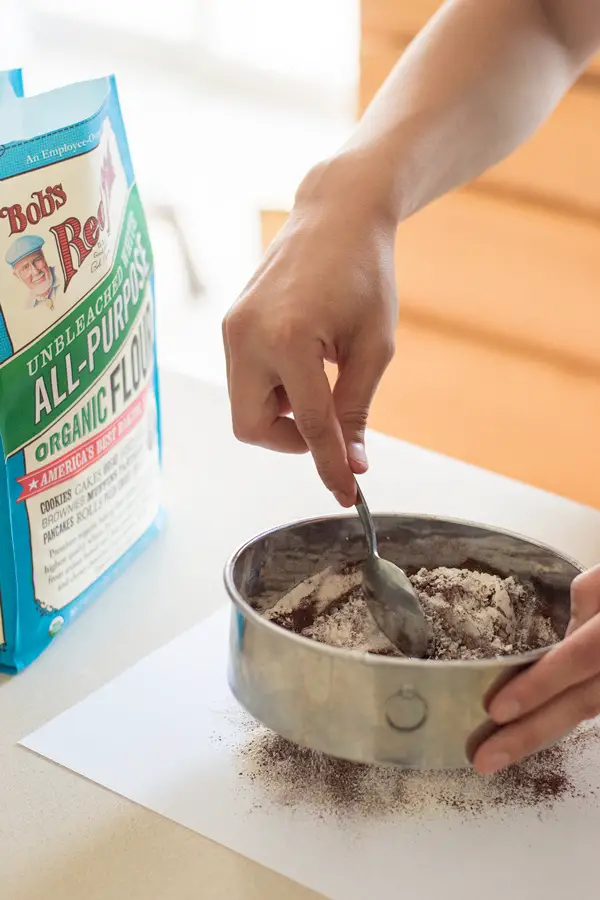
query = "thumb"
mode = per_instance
[
  {"x": 359, "y": 376},
  {"x": 585, "y": 598}
]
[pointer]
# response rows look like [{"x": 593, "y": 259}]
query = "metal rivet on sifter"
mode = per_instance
[{"x": 406, "y": 710}]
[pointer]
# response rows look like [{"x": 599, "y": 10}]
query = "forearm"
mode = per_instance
[{"x": 477, "y": 81}]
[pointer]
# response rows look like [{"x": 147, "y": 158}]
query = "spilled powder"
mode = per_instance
[
  {"x": 473, "y": 615},
  {"x": 292, "y": 776}
]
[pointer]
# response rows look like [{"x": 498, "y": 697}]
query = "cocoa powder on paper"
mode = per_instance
[
  {"x": 473, "y": 615},
  {"x": 293, "y": 776}
]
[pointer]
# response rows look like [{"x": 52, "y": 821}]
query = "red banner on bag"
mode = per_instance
[{"x": 73, "y": 463}]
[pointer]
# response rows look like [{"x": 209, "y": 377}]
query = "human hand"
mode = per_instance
[
  {"x": 552, "y": 697},
  {"x": 325, "y": 291}
]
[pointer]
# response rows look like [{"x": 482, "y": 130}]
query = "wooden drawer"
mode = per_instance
[
  {"x": 560, "y": 162},
  {"x": 498, "y": 410},
  {"x": 528, "y": 277},
  {"x": 501, "y": 273}
]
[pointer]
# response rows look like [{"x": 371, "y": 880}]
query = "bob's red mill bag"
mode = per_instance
[{"x": 79, "y": 424}]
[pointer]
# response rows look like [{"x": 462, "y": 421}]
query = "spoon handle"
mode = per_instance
[{"x": 367, "y": 522}]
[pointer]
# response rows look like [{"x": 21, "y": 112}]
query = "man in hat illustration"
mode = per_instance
[{"x": 29, "y": 265}]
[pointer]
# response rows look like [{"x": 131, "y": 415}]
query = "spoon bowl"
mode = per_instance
[{"x": 390, "y": 596}]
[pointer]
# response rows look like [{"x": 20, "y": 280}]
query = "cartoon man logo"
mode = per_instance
[{"x": 28, "y": 262}]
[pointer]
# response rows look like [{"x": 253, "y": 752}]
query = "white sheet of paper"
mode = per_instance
[{"x": 164, "y": 734}]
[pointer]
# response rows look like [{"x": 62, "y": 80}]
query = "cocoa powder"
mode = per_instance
[
  {"x": 294, "y": 776},
  {"x": 473, "y": 615}
]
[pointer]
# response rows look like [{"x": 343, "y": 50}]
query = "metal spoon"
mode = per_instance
[{"x": 390, "y": 596}]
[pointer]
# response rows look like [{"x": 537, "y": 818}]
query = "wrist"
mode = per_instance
[{"x": 350, "y": 184}]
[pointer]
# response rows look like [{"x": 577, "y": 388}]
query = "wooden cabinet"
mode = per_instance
[
  {"x": 498, "y": 357},
  {"x": 511, "y": 412},
  {"x": 514, "y": 274}
]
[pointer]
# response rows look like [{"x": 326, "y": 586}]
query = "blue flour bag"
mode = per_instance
[{"x": 79, "y": 414}]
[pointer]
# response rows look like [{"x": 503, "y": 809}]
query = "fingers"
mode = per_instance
[
  {"x": 585, "y": 598},
  {"x": 276, "y": 364},
  {"x": 259, "y": 405},
  {"x": 541, "y": 728},
  {"x": 575, "y": 660},
  {"x": 354, "y": 390},
  {"x": 262, "y": 396},
  {"x": 311, "y": 400},
  {"x": 554, "y": 695},
  {"x": 259, "y": 412}
]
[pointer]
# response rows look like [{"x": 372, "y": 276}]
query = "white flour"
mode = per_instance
[{"x": 473, "y": 615}]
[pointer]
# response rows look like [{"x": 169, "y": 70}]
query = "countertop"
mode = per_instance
[{"x": 63, "y": 837}]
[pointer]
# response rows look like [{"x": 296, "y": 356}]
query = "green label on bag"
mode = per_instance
[{"x": 41, "y": 382}]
